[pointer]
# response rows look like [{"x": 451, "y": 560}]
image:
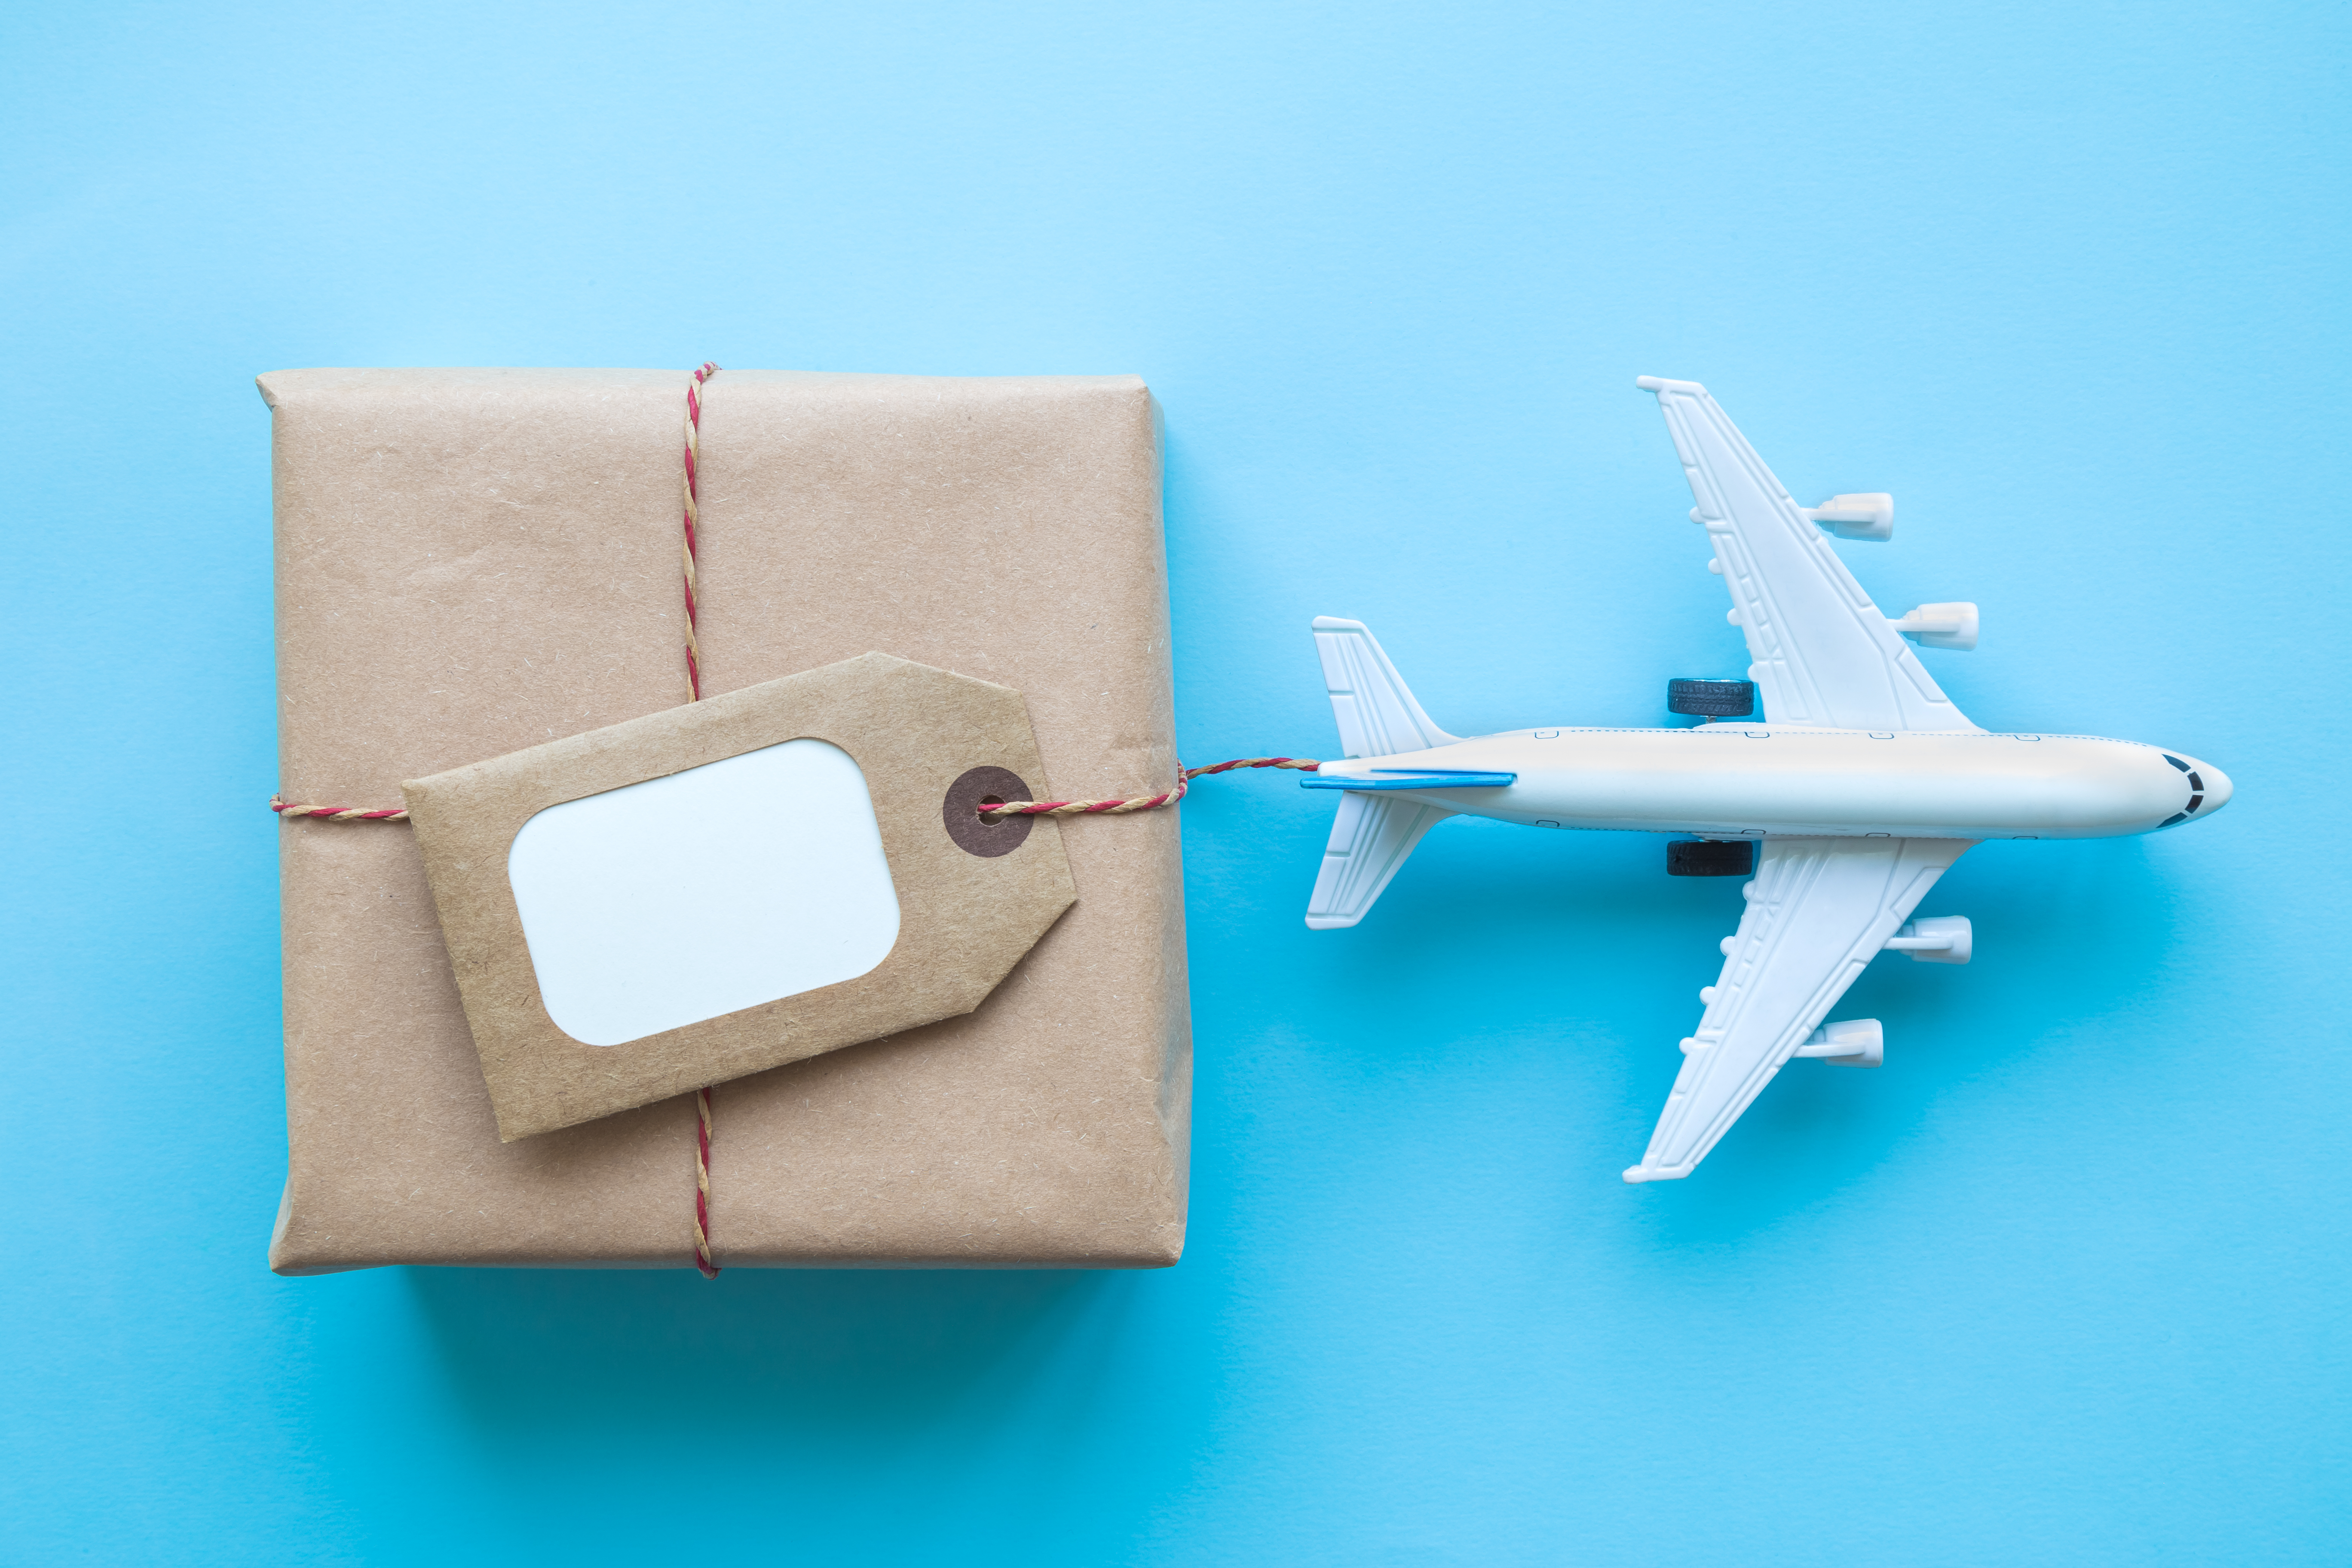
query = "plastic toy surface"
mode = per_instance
[{"x": 1858, "y": 788}]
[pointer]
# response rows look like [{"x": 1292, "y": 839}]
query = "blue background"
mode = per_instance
[{"x": 2064, "y": 1284}]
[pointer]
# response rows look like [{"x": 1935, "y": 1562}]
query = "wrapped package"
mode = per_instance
[{"x": 474, "y": 563}]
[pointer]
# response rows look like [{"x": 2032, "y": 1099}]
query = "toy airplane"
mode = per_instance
[{"x": 1860, "y": 784}]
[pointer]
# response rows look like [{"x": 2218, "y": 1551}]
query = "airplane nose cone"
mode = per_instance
[{"x": 2217, "y": 788}]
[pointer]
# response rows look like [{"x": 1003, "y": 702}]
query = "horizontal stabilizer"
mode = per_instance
[
  {"x": 1369, "y": 840},
  {"x": 1377, "y": 716}
]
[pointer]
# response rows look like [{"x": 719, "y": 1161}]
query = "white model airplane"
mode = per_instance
[{"x": 1860, "y": 784}]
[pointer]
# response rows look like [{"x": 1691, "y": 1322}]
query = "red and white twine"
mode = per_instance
[
  {"x": 284, "y": 808},
  {"x": 691, "y": 521},
  {"x": 1142, "y": 802},
  {"x": 690, "y": 484},
  {"x": 702, "y": 1185}
]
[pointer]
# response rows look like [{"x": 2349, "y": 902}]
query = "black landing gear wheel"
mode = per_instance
[
  {"x": 1711, "y": 699},
  {"x": 1710, "y": 858}
]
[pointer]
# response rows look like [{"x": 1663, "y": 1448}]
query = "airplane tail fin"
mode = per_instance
[{"x": 1378, "y": 718}]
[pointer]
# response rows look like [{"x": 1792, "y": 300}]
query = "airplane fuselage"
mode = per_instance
[{"x": 1743, "y": 779}]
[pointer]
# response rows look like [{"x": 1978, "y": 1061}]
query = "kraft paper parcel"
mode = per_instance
[{"x": 475, "y": 562}]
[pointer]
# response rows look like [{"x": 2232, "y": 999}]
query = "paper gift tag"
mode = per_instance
[{"x": 736, "y": 883}]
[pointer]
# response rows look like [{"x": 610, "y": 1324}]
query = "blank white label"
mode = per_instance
[{"x": 724, "y": 887}]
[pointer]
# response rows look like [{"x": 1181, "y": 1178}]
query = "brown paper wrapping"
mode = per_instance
[{"x": 473, "y": 562}]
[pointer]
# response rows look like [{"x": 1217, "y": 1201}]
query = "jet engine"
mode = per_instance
[
  {"x": 1855, "y": 1043},
  {"x": 1870, "y": 517},
  {"x": 1940, "y": 626},
  {"x": 1939, "y": 939}
]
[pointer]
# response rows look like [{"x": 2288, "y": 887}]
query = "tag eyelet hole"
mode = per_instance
[{"x": 982, "y": 834}]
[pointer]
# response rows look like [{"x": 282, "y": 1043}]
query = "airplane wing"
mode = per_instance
[
  {"x": 1818, "y": 910},
  {"x": 1821, "y": 654}
]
